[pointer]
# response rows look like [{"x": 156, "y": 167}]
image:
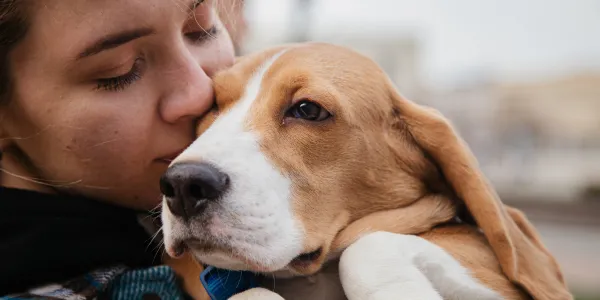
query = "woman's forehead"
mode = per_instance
[{"x": 64, "y": 28}]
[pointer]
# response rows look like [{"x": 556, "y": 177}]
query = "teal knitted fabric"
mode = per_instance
[
  {"x": 116, "y": 283},
  {"x": 157, "y": 283}
]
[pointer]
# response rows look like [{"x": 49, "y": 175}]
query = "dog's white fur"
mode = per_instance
[
  {"x": 385, "y": 265},
  {"x": 255, "y": 215}
]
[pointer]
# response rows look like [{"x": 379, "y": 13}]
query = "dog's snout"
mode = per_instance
[{"x": 189, "y": 186}]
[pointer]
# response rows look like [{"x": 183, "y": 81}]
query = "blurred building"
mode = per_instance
[{"x": 536, "y": 140}]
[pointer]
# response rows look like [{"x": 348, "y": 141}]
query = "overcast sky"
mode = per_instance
[{"x": 509, "y": 37}]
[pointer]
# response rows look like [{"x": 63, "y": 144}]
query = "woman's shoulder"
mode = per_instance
[{"x": 158, "y": 282}]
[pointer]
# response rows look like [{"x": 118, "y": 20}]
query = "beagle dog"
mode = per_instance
[{"x": 314, "y": 170}]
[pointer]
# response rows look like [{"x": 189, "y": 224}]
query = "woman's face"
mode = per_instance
[{"x": 106, "y": 92}]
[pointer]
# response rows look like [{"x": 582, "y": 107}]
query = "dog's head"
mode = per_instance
[{"x": 306, "y": 139}]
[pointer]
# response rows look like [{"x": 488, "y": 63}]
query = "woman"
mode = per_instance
[{"x": 96, "y": 98}]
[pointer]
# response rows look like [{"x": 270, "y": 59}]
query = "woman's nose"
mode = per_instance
[{"x": 188, "y": 91}]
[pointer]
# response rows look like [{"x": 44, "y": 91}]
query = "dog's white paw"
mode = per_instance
[
  {"x": 381, "y": 264},
  {"x": 257, "y": 293}
]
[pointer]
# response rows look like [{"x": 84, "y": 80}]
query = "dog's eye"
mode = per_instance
[{"x": 308, "y": 110}]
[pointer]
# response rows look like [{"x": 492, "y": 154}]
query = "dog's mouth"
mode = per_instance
[
  {"x": 306, "y": 260},
  {"x": 304, "y": 264}
]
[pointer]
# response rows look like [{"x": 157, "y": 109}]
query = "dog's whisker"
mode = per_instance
[
  {"x": 226, "y": 278},
  {"x": 239, "y": 279},
  {"x": 154, "y": 236},
  {"x": 159, "y": 251},
  {"x": 154, "y": 212},
  {"x": 273, "y": 275}
]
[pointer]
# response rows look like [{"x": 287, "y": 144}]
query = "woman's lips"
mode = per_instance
[{"x": 171, "y": 157}]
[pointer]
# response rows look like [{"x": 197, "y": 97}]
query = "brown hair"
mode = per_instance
[{"x": 12, "y": 29}]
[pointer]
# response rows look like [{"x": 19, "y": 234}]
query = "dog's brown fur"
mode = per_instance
[{"x": 383, "y": 164}]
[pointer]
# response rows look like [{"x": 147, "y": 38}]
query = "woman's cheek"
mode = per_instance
[
  {"x": 217, "y": 55},
  {"x": 104, "y": 138}
]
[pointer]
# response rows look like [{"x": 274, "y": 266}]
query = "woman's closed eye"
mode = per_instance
[
  {"x": 201, "y": 25},
  {"x": 202, "y": 35},
  {"x": 119, "y": 83}
]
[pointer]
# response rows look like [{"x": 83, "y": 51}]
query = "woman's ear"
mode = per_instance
[
  {"x": 522, "y": 256},
  {"x": 188, "y": 270}
]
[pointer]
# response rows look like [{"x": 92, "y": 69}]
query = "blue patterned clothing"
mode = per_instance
[{"x": 118, "y": 283}]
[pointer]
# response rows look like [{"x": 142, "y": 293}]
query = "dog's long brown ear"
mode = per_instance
[
  {"x": 188, "y": 270},
  {"x": 515, "y": 242}
]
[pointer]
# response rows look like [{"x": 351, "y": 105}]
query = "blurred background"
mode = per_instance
[{"x": 520, "y": 80}]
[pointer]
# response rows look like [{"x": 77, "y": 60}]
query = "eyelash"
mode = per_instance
[
  {"x": 197, "y": 3},
  {"x": 203, "y": 35},
  {"x": 119, "y": 83}
]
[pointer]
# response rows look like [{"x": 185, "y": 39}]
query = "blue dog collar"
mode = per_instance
[{"x": 223, "y": 284}]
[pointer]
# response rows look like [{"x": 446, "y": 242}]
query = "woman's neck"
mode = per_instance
[{"x": 15, "y": 175}]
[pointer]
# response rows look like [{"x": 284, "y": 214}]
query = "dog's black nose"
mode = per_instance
[{"x": 189, "y": 186}]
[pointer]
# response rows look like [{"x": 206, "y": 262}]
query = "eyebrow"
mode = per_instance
[{"x": 114, "y": 40}]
